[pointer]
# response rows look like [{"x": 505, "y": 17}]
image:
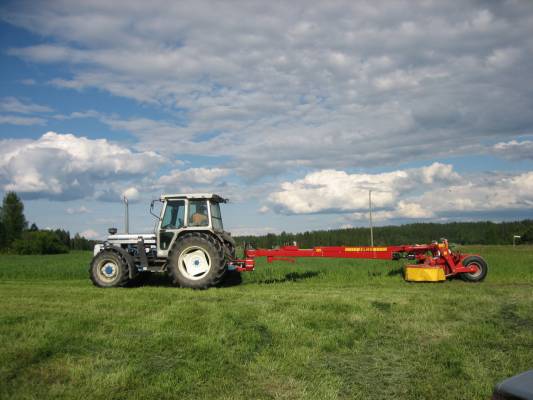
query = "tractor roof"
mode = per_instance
[{"x": 208, "y": 196}]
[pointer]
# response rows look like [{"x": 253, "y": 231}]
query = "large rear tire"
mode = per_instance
[
  {"x": 196, "y": 261},
  {"x": 480, "y": 264},
  {"x": 109, "y": 269}
]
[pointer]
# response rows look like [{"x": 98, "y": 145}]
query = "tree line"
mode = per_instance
[
  {"x": 16, "y": 237},
  {"x": 456, "y": 232}
]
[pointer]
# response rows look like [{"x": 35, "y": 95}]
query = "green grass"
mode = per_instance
[{"x": 316, "y": 329}]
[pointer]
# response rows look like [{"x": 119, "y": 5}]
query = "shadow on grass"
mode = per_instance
[
  {"x": 155, "y": 279},
  {"x": 395, "y": 271},
  {"x": 158, "y": 279},
  {"x": 382, "y": 306},
  {"x": 232, "y": 279},
  {"x": 290, "y": 277}
]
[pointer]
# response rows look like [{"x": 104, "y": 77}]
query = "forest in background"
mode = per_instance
[
  {"x": 17, "y": 237},
  {"x": 456, "y": 232}
]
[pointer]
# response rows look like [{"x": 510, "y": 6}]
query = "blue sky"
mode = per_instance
[{"x": 293, "y": 111}]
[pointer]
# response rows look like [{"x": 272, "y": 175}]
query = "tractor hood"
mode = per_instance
[{"x": 132, "y": 238}]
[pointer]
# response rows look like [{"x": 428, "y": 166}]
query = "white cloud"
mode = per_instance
[
  {"x": 193, "y": 176},
  {"x": 253, "y": 231},
  {"x": 491, "y": 193},
  {"x": 404, "y": 211},
  {"x": 501, "y": 58},
  {"x": 77, "y": 210},
  {"x": 64, "y": 166},
  {"x": 299, "y": 85},
  {"x": 24, "y": 121},
  {"x": 90, "y": 234},
  {"x": 514, "y": 150},
  {"x": 338, "y": 191},
  {"x": 131, "y": 193},
  {"x": 14, "y": 105},
  {"x": 28, "y": 81},
  {"x": 439, "y": 173},
  {"x": 422, "y": 193},
  {"x": 396, "y": 80}
]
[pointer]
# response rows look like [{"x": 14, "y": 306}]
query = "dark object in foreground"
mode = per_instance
[{"x": 518, "y": 387}]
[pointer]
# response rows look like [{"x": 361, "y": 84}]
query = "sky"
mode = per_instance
[{"x": 292, "y": 110}]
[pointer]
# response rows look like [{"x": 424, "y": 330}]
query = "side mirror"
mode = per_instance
[{"x": 152, "y": 209}]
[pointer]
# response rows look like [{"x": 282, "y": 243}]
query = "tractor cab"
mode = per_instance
[{"x": 186, "y": 212}]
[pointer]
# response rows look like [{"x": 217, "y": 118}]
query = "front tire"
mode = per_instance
[
  {"x": 196, "y": 261},
  {"x": 482, "y": 269},
  {"x": 109, "y": 269}
]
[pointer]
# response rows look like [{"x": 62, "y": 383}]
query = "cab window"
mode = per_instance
[
  {"x": 198, "y": 213},
  {"x": 174, "y": 215},
  {"x": 216, "y": 217}
]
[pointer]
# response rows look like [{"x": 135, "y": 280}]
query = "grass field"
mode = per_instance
[{"x": 317, "y": 329}]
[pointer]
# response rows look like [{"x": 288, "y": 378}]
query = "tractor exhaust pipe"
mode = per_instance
[{"x": 126, "y": 216}]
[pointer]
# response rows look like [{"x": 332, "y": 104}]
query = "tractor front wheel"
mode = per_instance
[
  {"x": 196, "y": 261},
  {"x": 480, "y": 264},
  {"x": 109, "y": 269}
]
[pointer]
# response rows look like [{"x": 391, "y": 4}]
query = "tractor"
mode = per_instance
[{"x": 189, "y": 243}]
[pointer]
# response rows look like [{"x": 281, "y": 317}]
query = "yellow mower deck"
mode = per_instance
[{"x": 416, "y": 273}]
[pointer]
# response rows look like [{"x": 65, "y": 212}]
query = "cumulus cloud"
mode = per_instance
[
  {"x": 339, "y": 191},
  {"x": 131, "y": 193},
  {"x": 299, "y": 85},
  {"x": 421, "y": 193},
  {"x": 491, "y": 193},
  {"x": 65, "y": 166}
]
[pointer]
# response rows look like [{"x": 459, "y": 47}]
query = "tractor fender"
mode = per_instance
[
  {"x": 132, "y": 269},
  {"x": 216, "y": 235},
  {"x": 227, "y": 237}
]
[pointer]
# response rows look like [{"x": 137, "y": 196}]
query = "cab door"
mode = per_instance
[{"x": 172, "y": 222}]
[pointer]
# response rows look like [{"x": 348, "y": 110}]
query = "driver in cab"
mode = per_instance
[{"x": 199, "y": 218}]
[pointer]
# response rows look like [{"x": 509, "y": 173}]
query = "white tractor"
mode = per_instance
[{"x": 189, "y": 243}]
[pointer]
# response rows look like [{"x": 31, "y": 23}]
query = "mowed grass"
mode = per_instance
[{"x": 316, "y": 329}]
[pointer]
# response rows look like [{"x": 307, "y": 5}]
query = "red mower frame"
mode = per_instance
[{"x": 425, "y": 255}]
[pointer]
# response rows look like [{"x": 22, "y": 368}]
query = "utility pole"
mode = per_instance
[
  {"x": 126, "y": 216},
  {"x": 370, "y": 215}
]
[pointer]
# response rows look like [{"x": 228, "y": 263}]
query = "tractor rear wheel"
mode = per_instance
[
  {"x": 196, "y": 261},
  {"x": 480, "y": 264},
  {"x": 109, "y": 269}
]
